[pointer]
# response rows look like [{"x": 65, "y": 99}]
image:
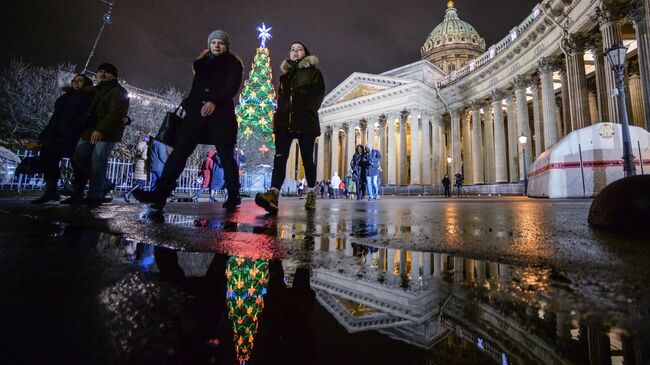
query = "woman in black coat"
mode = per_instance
[
  {"x": 209, "y": 119},
  {"x": 60, "y": 136},
  {"x": 301, "y": 93}
]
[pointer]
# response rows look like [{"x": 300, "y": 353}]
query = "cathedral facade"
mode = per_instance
[{"x": 462, "y": 107}]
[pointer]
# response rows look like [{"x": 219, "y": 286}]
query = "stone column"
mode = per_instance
[
  {"x": 641, "y": 17},
  {"x": 500, "y": 161},
  {"x": 383, "y": 150},
  {"x": 363, "y": 127},
  {"x": 414, "y": 116},
  {"x": 436, "y": 149},
  {"x": 426, "y": 149},
  {"x": 546, "y": 68},
  {"x": 320, "y": 164},
  {"x": 575, "y": 65},
  {"x": 437, "y": 264},
  {"x": 566, "y": 108},
  {"x": 592, "y": 97},
  {"x": 513, "y": 156},
  {"x": 468, "y": 165},
  {"x": 523, "y": 125},
  {"x": 477, "y": 144},
  {"x": 457, "y": 163},
  {"x": 596, "y": 48},
  {"x": 636, "y": 98},
  {"x": 537, "y": 140},
  {"x": 488, "y": 130},
  {"x": 426, "y": 264},
  {"x": 370, "y": 126},
  {"x": 390, "y": 265},
  {"x": 391, "y": 155},
  {"x": 335, "y": 150},
  {"x": 415, "y": 268},
  {"x": 402, "y": 160},
  {"x": 351, "y": 139},
  {"x": 611, "y": 30},
  {"x": 558, "y": 118}
]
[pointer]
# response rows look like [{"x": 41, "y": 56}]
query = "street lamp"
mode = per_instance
[
  {"x": 616, "y": 56},
  {"x": 448, "y": 164},
  {"x": 522, "y": 141}
]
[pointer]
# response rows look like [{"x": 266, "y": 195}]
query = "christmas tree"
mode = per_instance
[
  {"x": 246, "y": 285},
  {"x": 256, "y": 106}
]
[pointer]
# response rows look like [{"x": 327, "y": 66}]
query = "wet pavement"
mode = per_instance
[{"x": 395, "y": 281}]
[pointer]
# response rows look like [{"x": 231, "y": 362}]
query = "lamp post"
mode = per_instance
[
  {"x": 522, "y": 141},
  {"x": 448, "y": 164},
  {"x": 616, "y": 56}
]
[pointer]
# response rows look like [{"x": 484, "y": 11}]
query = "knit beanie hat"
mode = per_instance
[
  {"x": 108, "y": 68},
  {"x": 220, "y": 35}
]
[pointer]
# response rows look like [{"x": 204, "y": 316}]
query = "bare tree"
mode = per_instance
[{"x": 27, "y": 96}]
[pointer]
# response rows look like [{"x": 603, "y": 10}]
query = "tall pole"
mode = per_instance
[
  {"x": 106, "y": 19},
  {"x": 525, "y": 172},
  {"x": 628, "y": 157}
]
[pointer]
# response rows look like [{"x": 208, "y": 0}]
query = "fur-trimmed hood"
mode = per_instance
[{"x": 309, "y": 61}]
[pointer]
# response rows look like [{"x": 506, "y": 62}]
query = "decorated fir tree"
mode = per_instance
[
  {"x": 256, "y": 106},
  {"x": 247, "y": 280}
]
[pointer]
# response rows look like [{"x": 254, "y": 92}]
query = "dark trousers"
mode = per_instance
[
  {"x": 282, "y": 148},
  {"x": 185, "y": 145},
  {"x": 50, "y": 161},
  {"x": 447, "y": 191}
]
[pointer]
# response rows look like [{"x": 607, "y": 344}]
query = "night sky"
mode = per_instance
[{"x": 153, "y": 42}]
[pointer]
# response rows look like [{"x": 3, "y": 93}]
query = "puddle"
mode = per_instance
[{"x": 301, "y": 293}]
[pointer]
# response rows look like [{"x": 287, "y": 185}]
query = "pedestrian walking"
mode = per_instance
[
  {"x": 209, "y": 119},
  {"x": 335, "y": 182},
  {"x": 446, "y": 183},
  {"x": 301, "y": 93},
  {"x": 216, "y": 180},
  {"x": 358, "y": 171},
  {"x": 139, "y": 167},
  {"x": 205, "y": 173},
  {"x": 459, "y": 184},
  {"x": 105, "y": 124},
  {"x": 61, "y": 134},
  {"x": 157, "y": 158},
  {"x": 371, "y": 160}
]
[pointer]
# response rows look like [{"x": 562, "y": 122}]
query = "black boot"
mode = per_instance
[
  {"x": 232, "y": 202},
  {"x": 76, "y": 198},
  {"x": 51, "y": 194}
]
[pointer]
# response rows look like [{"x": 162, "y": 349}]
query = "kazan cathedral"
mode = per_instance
[{"x": 540, "y": 106}]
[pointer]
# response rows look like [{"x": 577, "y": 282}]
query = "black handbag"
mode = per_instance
[
  {"x": 30, "y": 166},
  {"x": 169, "y": 128}
]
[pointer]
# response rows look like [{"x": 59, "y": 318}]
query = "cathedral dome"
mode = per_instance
[{"x": 453, "y": 42}]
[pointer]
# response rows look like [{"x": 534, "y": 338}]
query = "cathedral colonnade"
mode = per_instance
[{"x": 540, "y": 81}]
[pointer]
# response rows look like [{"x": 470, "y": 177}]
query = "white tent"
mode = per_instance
[{"x": 585, "y": 161}]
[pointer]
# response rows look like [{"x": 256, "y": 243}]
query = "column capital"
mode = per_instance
[
  {"x": 604, "y": 13},
  {"x": 637, "y": 15},
  {"x": 345, "y": 125},
  {"x": 415, "y": 112},
  {"x": 373, "y": 118},
  {"x": 594, "y": 43},
  {"x": 548, "y": 65},
  {"x": 574, "y": 44},
  {"x": 521, "y": 82},
  {"x": 392, "y": 115},
  {"x": 362, "y": 124},
  {"x": 476, "y": 105},
  {"x": 497, "y": 95}
]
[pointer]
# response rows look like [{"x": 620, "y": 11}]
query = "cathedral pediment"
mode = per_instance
[{"x": 359, "y": 85}]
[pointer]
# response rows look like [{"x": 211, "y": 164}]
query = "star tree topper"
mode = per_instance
[{"x": 264, "y": 34}]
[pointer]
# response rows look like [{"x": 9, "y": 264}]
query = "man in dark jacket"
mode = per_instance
[
  {"x": 104, "y": 128},
  {"x": 301, "y": 93},
  {"x": 60, "y": 136},
  {"x": 209, "y": 119},
  {"x": 371, "y": 160},
  {"x": 447, "y": 184}
]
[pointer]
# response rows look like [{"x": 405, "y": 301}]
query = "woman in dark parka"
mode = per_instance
[
  {"x": 301, "y": 93},
  {"x": 209, "y": 119},
  {"x": 60, "y": 136}
]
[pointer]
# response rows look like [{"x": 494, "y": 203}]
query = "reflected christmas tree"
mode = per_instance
[
  {"x": 247, "y": 280},
  {"x": 256, "y": 106}
]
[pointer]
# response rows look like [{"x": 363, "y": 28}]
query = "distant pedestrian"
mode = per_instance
[
  {"x": 459, "y": 184},
  {"x": 335, "y": 181},
  {"x": 157, "y": 158},
  {"x": 217, "y": 179},
  {"x": 371, "y": 161},
  {"x": 105, "y": 124},
  {"x": 446, "y": 183},
  {"x": 139, "y": 167},
  {"x": 205, "y": 172},
  {"x": 300, "y": 94},
  {"x": 359, "y": 171},
  {"x": 61, "y": 134}
]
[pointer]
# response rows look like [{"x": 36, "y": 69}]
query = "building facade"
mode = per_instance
[{"x": 548, "y": 77}]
